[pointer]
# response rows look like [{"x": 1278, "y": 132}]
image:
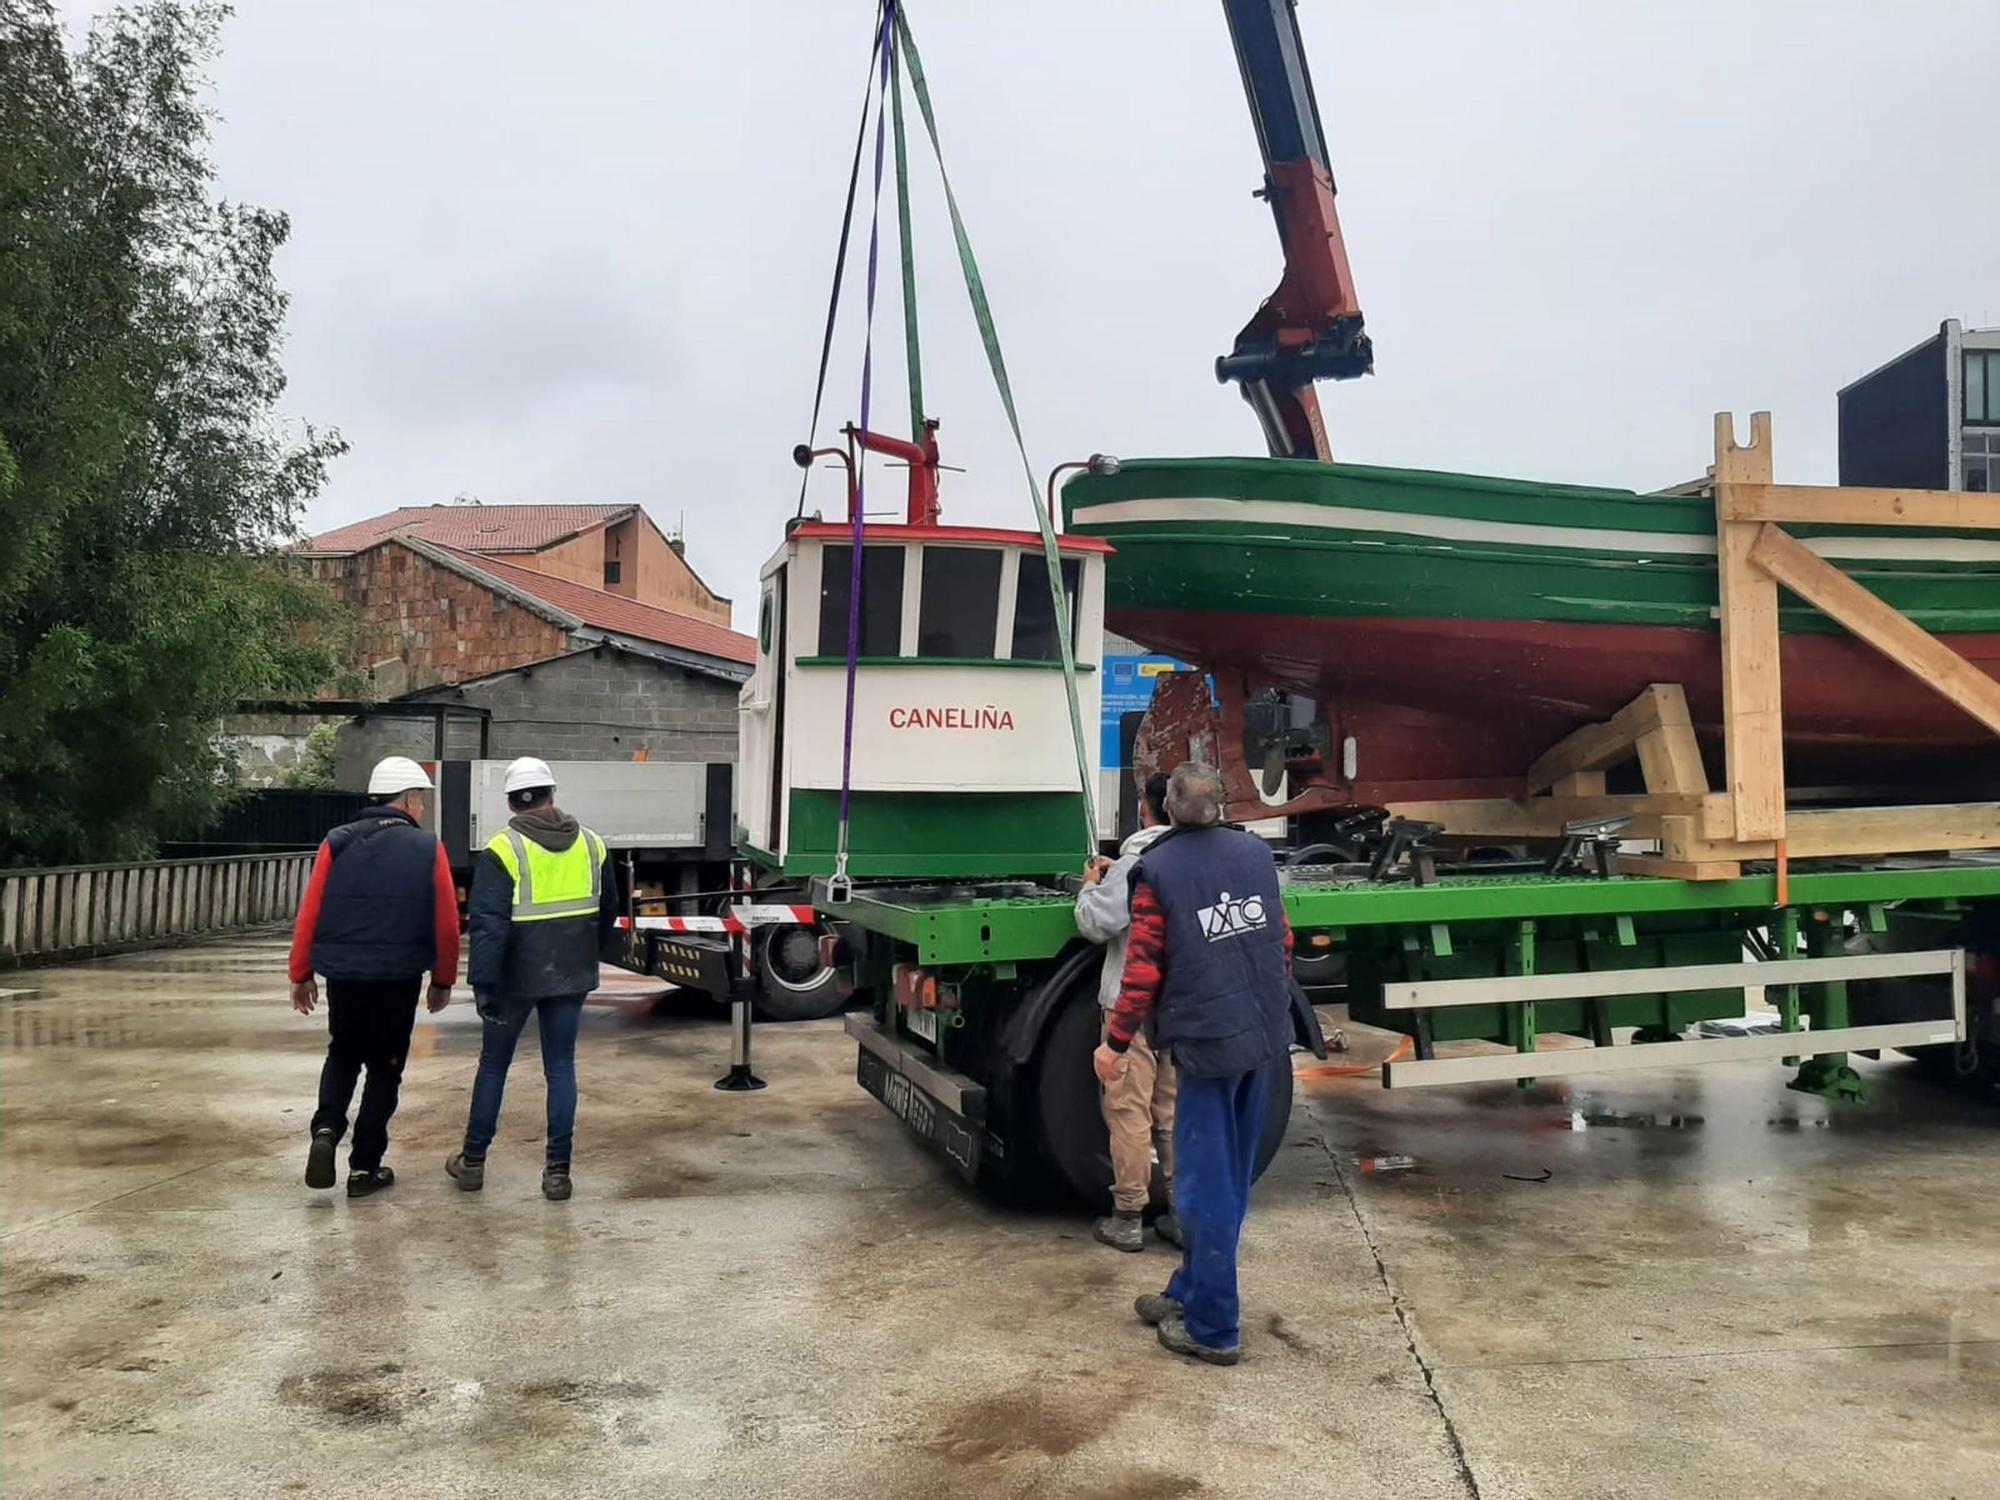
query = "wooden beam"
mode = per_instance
[
  {"x": 1598, "y": 747},
  {"x": 1893, "y": 830},
  {"x": 1834, "y": 832},
  {"x": 1670, "y": 756},
  {"x": 1888, "y": 630},
  {"x": 1752, "y": 705},
  {"x": 1956, "y": 510},
  {"x": 1543, "y": 817},
  {"x": 1580, "y": 784},
  {"x": 1678, "y": 869}
]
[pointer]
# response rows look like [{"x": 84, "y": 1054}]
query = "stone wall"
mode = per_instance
[{"x": 266, "y": 744}]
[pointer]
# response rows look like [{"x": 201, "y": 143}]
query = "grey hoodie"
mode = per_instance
[{"x": 1104, "y": 911}]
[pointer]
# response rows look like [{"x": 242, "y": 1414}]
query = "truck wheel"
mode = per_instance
[
  {"x": 793, "y": 984},
  {"x": 1074, "y": 1140}
]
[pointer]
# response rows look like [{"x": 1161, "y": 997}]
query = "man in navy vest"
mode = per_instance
[
  {"x": 1208, "y": 963},
  {"x": 379, "y": 910}
]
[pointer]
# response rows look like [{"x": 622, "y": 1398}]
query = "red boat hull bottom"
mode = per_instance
[{"x": 1431, "y": 701}]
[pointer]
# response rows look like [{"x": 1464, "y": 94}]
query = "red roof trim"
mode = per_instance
[{"x": 836, "y": 531}]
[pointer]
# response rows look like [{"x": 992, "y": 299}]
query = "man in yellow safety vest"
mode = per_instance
[{"x": 543, "y": 906}]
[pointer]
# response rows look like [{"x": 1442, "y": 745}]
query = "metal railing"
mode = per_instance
[{"x": 75, "y": 911}]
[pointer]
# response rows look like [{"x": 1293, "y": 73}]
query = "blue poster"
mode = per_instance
[{"x": 1128, "y": 688}]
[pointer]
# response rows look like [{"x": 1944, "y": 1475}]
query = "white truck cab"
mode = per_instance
[{"x": 963, "y": 763}]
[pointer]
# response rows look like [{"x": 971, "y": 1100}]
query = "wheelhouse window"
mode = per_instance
[
  {"x": 1034, "y": 615},
  {"x": 881, "y": 600},
  {"x": 960, "y": 609}
]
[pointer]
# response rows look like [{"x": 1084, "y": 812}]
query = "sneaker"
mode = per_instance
[
  {"x": 468, "y": 1172},
  {"x": 1168, "y": 1228},
  {"x": 555, "y": 1182},
  {"x": 1175, "y": 1339},
  {"x": 319, "y": 1160},
  {"x": 367, "y": 1184},
  {"x": 1155, "y": 1308},
  {"x": 1121, "y": 1231}
]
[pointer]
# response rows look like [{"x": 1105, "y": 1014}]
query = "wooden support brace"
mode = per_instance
[
  {"x": 1661, "y": 709},
  {"x": 1888, "y": 630},
  {"x": 1753, "y": 722}
]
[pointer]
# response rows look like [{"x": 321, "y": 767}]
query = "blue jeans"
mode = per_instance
[
  {"x": 1217, "y": 1124},
  {"x": 557, "y": 1017}
]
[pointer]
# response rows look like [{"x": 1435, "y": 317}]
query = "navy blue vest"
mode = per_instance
[
  {"x": 1224, "y": 1005},
  {"x": 377, "y": 913}
]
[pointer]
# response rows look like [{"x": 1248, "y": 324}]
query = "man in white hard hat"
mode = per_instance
[
  {"x": 379, "y": 910},
  {"x": 543, "y": 906}
]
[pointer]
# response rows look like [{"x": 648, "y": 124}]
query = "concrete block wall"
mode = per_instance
[{"x": 602, "y": 704}]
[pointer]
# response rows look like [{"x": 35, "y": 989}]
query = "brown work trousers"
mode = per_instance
[{"x": 1139, "y": 1113}]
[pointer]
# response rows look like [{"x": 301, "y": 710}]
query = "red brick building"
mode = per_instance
[
  {"x": 430, "y": 614},
  {"x": 612, "y": 548}
]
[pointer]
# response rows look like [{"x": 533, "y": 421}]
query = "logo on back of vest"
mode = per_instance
[{"x": 1228, "y": 919}]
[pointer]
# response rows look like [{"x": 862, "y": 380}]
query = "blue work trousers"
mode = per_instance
[
  {"x": 1217, "y": 1124},
  {"x": 557, "y": 1017}
]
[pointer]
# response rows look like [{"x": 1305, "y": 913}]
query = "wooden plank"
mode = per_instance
[
  {"x": 1543, "y": 817},
  {"x": 1894, "y": 830},
  {"x": 1598, "y": 747},
  {"x": 1580, "y": 784},
  {"x": 1826, "y": 833},
  {"x": 1887, "y": 629},
  {"x": 1679, "y": 869},
  {"x": 1956, "y": 510},
  {"x": 1752, "y": 704}
]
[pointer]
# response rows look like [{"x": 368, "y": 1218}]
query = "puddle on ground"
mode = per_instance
[{"x": 1618, "y": 1119}]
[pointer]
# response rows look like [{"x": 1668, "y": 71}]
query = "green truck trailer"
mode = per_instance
[{"x": 920, "y": 805}]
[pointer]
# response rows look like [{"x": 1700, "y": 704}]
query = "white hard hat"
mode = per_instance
[
  {"x": 397, "y": 774},
  {"x": 527, "y": 772}
]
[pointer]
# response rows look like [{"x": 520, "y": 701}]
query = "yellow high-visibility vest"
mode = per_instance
[{"x": 548, "y": 885}]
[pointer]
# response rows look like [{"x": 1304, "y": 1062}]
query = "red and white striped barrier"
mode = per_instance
[{"x": 738, "y": 919}]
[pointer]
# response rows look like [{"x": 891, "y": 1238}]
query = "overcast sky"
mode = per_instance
[{"x": 580, "y": 251}]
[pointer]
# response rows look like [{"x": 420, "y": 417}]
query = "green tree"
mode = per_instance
[
  {"x": 318, "y": 764},
  {"x": 146, "y": 478}
]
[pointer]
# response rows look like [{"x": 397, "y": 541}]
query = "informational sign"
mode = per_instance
[{"x": 1128, "y": 689}]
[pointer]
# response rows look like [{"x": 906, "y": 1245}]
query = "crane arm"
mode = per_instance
[{"x": 1310, "y": 328}]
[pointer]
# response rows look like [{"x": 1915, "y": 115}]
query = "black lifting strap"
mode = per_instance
[{"x": 840, "y": 259}]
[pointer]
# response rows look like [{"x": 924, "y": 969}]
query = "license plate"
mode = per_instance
[
  {"x": 921, "y": 1022},
  {"x": 954, "y": 1138}
]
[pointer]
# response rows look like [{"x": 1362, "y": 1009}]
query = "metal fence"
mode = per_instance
[{"x": 74, "y": 911}]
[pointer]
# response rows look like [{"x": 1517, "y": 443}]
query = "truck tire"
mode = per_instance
[
  {"x": 1070, "y": 1121},
  {"x": 792, "y": 983}
]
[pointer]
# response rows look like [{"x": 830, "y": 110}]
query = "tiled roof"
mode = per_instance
[
  {"x": 607, "y": 611},
  {"x": 471, "y": 528}
]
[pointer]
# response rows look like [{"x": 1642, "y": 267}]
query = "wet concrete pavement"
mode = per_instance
[{"x": 1692, "y": 1284}]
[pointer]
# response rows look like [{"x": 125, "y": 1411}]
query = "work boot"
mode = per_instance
[
  {"x": 555, "y": 1181},
  {"x": 366, "y": 1184},
  {"x": 1175, "y": 1339},
  {"x": 1155, "y": 1308},
  {"x": 319, "y": 1160},
  {"x": 1121, "y": 1231},
  {"x": 469, "y": 1172},
  {"x": 1168, "y": 1228}
]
